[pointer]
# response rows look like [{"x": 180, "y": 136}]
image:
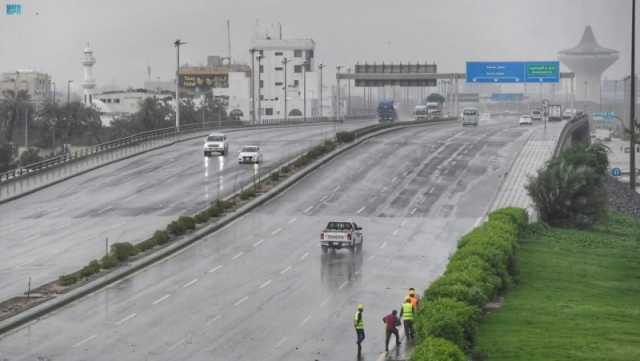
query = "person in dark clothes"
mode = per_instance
[{"x": 391, "y": 322}]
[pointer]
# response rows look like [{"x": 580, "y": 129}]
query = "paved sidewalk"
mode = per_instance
[{"x": 538, "y": 149}]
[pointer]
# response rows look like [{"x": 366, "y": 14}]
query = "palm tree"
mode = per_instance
[{"x": 12, "y": 104}]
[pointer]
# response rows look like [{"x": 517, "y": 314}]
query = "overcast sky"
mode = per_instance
[{"x": 127, "y": 35}]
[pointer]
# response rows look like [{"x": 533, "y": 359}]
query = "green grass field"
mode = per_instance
[{"x": 578, "y": 297}]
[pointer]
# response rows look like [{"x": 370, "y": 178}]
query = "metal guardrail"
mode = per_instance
[
  {"x": 566, "y": 135},
  {"x": 151, "y": 135}
]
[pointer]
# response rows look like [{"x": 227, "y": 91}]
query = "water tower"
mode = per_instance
[{"x": 588, "y": 60}]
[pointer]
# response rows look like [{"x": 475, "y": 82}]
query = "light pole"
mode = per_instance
[
  {"x": 177, "y": 44},
  {"x": 69, "y": 91},
  {"x": 304, "y": 87},
  {"x": 321, "y": 66},
  {"x": 632, "y": 111},
  {"x": 348, "y": 94},
  {"x": 338, "y": 67},
  {"x": 253, "y": 85},
  {"x": 285, "y": 61},
  {"x": 260, "y": 88},
  {"x": 53, "y": 83}
]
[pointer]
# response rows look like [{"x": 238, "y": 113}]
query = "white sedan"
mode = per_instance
[
  {"x": 525, "y": 120},
  {"x": 250, "y": 154}
]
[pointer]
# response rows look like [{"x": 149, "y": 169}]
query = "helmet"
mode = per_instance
[{"x": 360, "y": 307}]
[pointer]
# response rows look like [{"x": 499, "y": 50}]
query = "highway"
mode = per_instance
[
  {"x": 61, "y": 228},
  {"x": 260, "y": 289}
]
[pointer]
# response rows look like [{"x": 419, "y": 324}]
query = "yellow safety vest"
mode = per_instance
[
  {"x": 407, "y": 311},
  {"x": 358, "y": 322}
]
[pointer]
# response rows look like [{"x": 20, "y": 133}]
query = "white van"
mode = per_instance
[
  {"x": 216, "y": 143},
  {"x": 470, "y": 116}
]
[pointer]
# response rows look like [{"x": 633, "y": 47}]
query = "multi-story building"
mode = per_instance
[
  {"x": 273, "y": 60},
  {"x": 119, "y": 103},
  {"x": 37, "y": 84}
]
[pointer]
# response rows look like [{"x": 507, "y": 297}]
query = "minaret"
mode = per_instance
[
  {"x": 89, "y": 82},
  {"x": 588, "y": 60}
]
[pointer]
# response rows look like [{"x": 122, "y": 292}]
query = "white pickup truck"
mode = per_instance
[{"x": 341, "y": 235}]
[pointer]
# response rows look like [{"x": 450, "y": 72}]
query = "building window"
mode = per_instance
[
  {"x": 297, "y": 68},
  {"x": 309, "y": 54},
  {"x": 296, "y": 83},
  {"x": 278, "y": 68},
  {"x": 268, "y": 111},
  {"x": 261, "y": 83},
  {"x": 278, "y": 83},
  {"x": 261, "y": 52},
  {"x": 116, "y": 100},
  {"x": 278, "y": 53},
  {"x": 307, "y": 66},
  {"x": 297, "y": 53},
  {"x": 262, "y": 68}
]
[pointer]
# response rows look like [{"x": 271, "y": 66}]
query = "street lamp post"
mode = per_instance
[
  {"x": 349, "y": 94},
  {"x": 177, "y": 44},
  {"x": 632, "y": 111},
  {"x": 285, "y": 61},
  {"x": 69, "y": 91},
  {"x": 253, "y": 85},
  {"x": 304, "y": 88},
  {"x": 321, "y": 66},
  {"x": 338, "y": 67},
  {"x": 260, "y": 88}
]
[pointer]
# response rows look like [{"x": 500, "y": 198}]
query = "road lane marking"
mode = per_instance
[
  {"x": 336, "y": 188},
  {"x": 323, "y": 199},
  {"x": 431, "y": 190},
  {"x": 285, "y": 270},
  {"x": 212, "y": 320},
  {"x": 238, "y": 302},
  {"x": 126, "y": 319},
  {"x": 190, "y": 283},
  {"x": 161, "y": 299},
  {"x": 292, "y": 220},
  {"x": 384, "y": 189},
  {"x": 394, "y": 179},
  {"x": 306, "y": 319},
  {"x": 265, "y": 284},
  {"x": 403, "y": 223},
  {"x": 413, "y": 211},
  {"x": 176, "y": 345},
  {"x": 323, "y": 303},
  {"x": 307, "y": 210},
  {"x": 283, "y": 340},
  {"x": 84, "y": 341},
  {"x": 276, "y": 231},
  {"x": 215, "y": 268},
  {"x": 237, "y": 256},
  {"x": 343, "y": 285},
  {"x": 305, "y": 255},
  {"x": 384, "y": 244},
  {"x": 395, "y": 233},
  {"x": 361, "y": 209},
  {"x": 258, "y": 243}
]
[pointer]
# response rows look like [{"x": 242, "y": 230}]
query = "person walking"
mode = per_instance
[
  {"x": 391, "y": 322},
  {"x": 415, "y": 300},
  {"x": 407, "y": 313},
  {"x": 358, "y": 324}
]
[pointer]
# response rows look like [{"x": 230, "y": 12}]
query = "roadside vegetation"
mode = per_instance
[{"x": 578, "y": 297}]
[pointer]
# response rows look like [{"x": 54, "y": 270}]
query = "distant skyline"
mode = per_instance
[{"x": 128, "y": 36}]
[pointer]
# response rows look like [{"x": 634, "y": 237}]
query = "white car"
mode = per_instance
[
  {"x": 216, "y": 143},
  {"x": 250, "y": 154},
  {"x": 526, "y": 120},
  {"x": 470, "y": 116}
]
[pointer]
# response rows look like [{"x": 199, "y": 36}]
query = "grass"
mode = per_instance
[{"x": 578, "y": 297}]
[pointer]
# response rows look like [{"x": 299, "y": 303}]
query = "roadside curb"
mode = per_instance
[
  {"x": 122, "y": 272},
  {"x": 229, "y": 130}
]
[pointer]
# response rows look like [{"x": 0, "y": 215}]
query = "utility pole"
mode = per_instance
[
  {"x": 321, "y": 66},
  {"x": 69, "y": 91},
  {"x": 304, "y": 87},
  {"x": 348, "y": 94},
  {"x": 338, "y": 67},
  {"x": 54, "y": 91},
  {"x": 260, "y": 88},
  {"x": 253, "y": 85},
  {"x": 632, "y": 112},
  {"x": 177, "y": 44},
  {"x": 285, "y": 61}
]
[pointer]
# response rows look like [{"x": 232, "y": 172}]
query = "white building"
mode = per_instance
[
  {"x": 270, "y": 58},
  {"x": 36, "y": 84},
  {"x": 114, "y": 104}
]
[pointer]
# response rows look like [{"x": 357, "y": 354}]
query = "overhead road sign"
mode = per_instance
[
  {"x": 507, "y": 97},
  {"x": 513, "y": 72}
]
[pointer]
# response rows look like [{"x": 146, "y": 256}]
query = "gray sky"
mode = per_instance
[{"x": 129, "y": 35}]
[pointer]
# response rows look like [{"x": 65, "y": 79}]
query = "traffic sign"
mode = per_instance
[
  {"x": 513, "y": 72},
  {"x": 507, "y": 97},
  {"x": 616, "y": 172}
]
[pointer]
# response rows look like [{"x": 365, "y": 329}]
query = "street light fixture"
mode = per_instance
[{"x": 177, "y": 44}]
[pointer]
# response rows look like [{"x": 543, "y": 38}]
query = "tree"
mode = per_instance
[
  {"x": 13, "y": 106},
  {"x": 153, "y": 113},
  {"x": 435, "y": 98},
  {"x": 69, "y": 122}
]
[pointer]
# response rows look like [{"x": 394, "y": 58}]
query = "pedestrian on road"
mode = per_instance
[
  {"x": 407, "y": 313},
  {"x": 415, "y": 300},
  {"x": 391, "y": 322},
  {"x": 358, "y": 324}
]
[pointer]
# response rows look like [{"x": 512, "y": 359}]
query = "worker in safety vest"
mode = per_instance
[
  {"x": 415, "y": 300},
  {"x": 358, "y": 324},
  {"x": 407, "y": 313}
]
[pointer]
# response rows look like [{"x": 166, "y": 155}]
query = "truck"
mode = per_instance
[
  {"x": 338, "y": 235},
  {"x": 555, "y": 112},
  {"x": 420, "y": 112},
  {"x": 387, "y": 111},
  {"x": 434, "y": 110}
]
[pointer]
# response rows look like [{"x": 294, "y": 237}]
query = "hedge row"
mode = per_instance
[
  {"x": 482, "y": 267},
  {"x": 314, "y": 153}
]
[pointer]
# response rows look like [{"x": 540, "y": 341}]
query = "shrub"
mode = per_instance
[
  {"x": 30, "y": 156},
  {"x": 108, "y": 262},
  {"x": 471, "y": 295},
  {"x": 329, "y": 145},
  {"x": 285, "y": 170},
  {"x": 67, "y": 280},
  {"x": 345, "y": 137},
  {"x": 161, "y": 237},
  {"x": 248, "y": 194},
  {"x": 147, "y": 244},
  {"x": 123, "y": 250},
  {"x": 201, "y": 217},
  {"x": 518, "y": 216},
  {"x": 92, "y": 268},
  {"x": 437, "y": 349},
  {"x": 224, "y": 205},
  {"x": 214, "y": 211},
  {"x": 448, "y": 319},
  {"x": 275, "y": 176},
  {"x": 188, "y": 223},
  {"x": 593, "y": 156},
  {"x": 176, "y": 228}
]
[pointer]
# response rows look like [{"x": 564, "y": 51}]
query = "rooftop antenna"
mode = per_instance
[{"x": 280, "y": 30}]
